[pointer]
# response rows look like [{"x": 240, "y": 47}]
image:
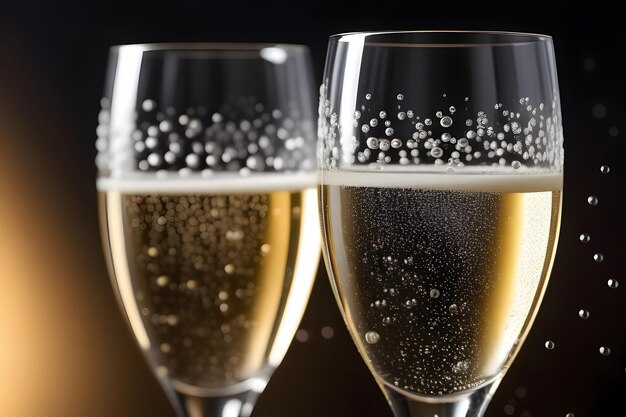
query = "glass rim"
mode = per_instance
[
  {"x": 207, "y": 46},
  {"x": 507, "y": 37}
]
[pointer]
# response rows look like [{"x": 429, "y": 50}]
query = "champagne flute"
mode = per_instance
[
  {"x": 441, "y": 160},
  {"x": 208, "y": 211}
]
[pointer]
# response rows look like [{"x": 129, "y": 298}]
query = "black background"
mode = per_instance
[{"x": 52, "y": 62}]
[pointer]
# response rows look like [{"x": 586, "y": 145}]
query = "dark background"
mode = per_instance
[{"x": 64, "y": 348}]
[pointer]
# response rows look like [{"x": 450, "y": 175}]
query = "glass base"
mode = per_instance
[{"x": 472, "y": 404}]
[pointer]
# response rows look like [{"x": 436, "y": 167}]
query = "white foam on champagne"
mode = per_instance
[
  {"x": 459, "y": 181},
  {"x": 214, "y": 184}
]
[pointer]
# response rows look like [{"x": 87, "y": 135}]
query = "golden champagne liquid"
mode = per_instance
[
  {"x": 215, "y": 281},
  {"x": 439, "y": 276}
]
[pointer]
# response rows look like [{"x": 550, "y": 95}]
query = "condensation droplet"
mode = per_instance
[
  {"x": 372, "y": 337},
  {"x": 592, "y": 200},
  {"x": 612, "y": 283},
  {"x": 446, "y": 121},
  {"x": 583, "y": 314},
  {"x": 605, "y": 350},
  {"x": 549, "y": 344},
  {"x": 598, "y": 257},
  {"x": 584, "y": 238}
]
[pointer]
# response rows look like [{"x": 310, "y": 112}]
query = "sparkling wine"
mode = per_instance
[
  {"x": 213, "y": 274},
  {"x": 439, "y": 276}
]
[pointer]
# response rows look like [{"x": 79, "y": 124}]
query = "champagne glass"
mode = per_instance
[
  {"x": 208, "y": 210},
  {"x": 441, "y": 160}
]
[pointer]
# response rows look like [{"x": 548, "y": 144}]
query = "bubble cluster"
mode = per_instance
[
  {"x": 423, "y": 299},
  {"x": 524, "y": 134},
  {"x": 238, "y": 136},
  {"x": 198, "y": 277}
]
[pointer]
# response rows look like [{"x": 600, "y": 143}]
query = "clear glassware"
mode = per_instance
[
  {"x": 208, "y": 207},
  {"x": 441, "y": 164}
]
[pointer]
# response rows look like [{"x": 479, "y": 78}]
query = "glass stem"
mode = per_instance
[
  {"x": 233, "y": 405},
  {"x": 472, "y": 404}
]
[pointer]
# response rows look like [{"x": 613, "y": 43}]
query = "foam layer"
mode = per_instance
[
  {"x": 217, "y": 183},
  {"x": 498, "y": 182}
]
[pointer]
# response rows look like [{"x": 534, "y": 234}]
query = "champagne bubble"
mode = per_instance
[
  {"x": 384, "y": 145},
  {"x": 460, "y": 367},
  {"x": 509, "y": 410},
  {"x": 549, "y": 344},
  {"x": 583, "y": 314},
  {"x": 153, "y": 252},
  {"x": 434, "y": 293},
  {"x": 387, "y": 320},
  {"x": 446, "y": 121},
  {"x": 605, "y": 169},
  {"x": 400, "y": 97},
  {"x": 592, "y": 200},
  {"x": 368, "y": 96},
  {"x": 452, "y": 109},
  {"x": 605, "y": 350},
  {"x": 229, "y": 268},
  {"x": 453, "y": 309},
  {"x": 162, "y": 280},
  {"x": 516, "y": 164},
  {"x": 382, "y": 114},
  {"x": 148, "y": 105},
  {"x": 570, "y": 415},
  {"x": 612, "y": 283},
  {"x": 165, "y": 347},
  {"x": 439, "y": 114},
  {"x": 374, "y": 122},
  {"x": 365, "y": 128},
  {"x": 372, "y": 337},
  {"x": 401, "y": 115},
  {"x": 389, "y": 131},
  {"x": 470, "y": 134},
  {"x": 372, "y": 143},
  {"x": 598, "y": 257},
  {"x": 410, "y": 114},
  {"x": 584, "y": 238},
  {"x": 436, "y": 152},
  {"x": 396, "y": 143}
]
